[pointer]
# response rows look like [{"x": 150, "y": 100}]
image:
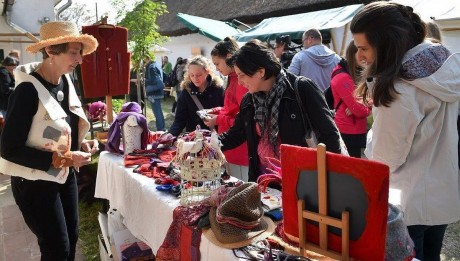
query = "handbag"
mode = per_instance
[{"x": 310, "y": 135}]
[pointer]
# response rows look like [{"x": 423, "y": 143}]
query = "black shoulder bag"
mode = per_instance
[{"x": 310, "y": 135}]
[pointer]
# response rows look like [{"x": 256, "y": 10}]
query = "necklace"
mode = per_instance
[{"x": 52, "y": 87}]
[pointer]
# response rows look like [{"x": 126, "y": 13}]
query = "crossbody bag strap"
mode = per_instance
[
  {"x": 299, "y": 101},
  {"x": 197, "y": 102}
]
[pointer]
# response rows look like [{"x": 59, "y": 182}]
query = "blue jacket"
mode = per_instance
[{"x": 154, "y": 85}]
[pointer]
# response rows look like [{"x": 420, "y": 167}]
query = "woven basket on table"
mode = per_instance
[{"x": 201, "y": 164}]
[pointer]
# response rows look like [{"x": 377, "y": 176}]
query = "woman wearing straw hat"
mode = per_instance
[{"x": 41, "y": 140}]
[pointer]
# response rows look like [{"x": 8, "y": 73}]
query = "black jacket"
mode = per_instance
[
  {"x": 291, "y": 128},
  {"x": 186, "y": 117},
  {"x": 6, "y": 87}
]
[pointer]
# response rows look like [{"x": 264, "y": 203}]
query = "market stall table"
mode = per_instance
[{"x": 147, "y": 212}]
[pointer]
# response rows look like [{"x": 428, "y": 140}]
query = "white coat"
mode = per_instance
[{"x": 416, "y": 136}]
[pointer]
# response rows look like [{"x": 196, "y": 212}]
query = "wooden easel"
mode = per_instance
[{"x": 322, "y": 218}]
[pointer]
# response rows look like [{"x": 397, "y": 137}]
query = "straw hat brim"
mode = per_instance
[
  {"x": 89, "y": 43},
  {"x": 252, "y": 236}
]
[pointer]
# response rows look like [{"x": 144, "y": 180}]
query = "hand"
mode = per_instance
[
  {"x": 80, "y": 158},
  {"x": 71, "y": 159},
  {"x": 91, "y": 146},
  {"x": 166, "y": 138},
  {"x": 210, "y": 121}
]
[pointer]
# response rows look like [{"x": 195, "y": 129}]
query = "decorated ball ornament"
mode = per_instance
[{"x": 97, "y": 110}]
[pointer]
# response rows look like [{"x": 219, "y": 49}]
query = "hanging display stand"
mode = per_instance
[{"x": 108, "y": 98}]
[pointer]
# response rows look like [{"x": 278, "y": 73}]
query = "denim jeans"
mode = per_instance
[
  {"x": 50, "y": 210},
  {"x": 158, "y": 113},
  {"x": 427, "y": 241}
]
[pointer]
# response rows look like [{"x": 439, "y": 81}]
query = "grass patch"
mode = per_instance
[{"x": 89, "y": 229}]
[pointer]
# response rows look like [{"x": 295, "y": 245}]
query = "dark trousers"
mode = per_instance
[
  {"x": 354, "y": 143},
  {"x": 427, "y": 241},
  {"x": 50, "y": 210}
]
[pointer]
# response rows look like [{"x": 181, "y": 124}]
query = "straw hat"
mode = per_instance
[
  {"x": 242, "y": 206},
  {"x": 54, "y": 33}
]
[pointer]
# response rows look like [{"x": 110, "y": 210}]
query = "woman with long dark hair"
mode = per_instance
[
  {"x": 415, "y": 88},
  {"x": 224, "y": 117},
  {"x": 350, "y": 112}
]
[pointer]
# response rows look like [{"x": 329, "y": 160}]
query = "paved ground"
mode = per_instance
[{"x": 17, "y": 242}]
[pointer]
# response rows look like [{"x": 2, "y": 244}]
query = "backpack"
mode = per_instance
[{"x": 329, "y": 96}]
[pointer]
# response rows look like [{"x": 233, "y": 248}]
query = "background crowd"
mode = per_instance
[{"x": 401, "y": 73}]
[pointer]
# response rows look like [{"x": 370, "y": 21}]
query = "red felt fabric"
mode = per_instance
[
  {"x": 106, "y": 71},
  {"x": 182, "y": 242},
  {"x": 374, "y": 177}
]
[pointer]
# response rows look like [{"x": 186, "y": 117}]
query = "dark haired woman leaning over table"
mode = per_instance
[{"x": 270, "y": 114}]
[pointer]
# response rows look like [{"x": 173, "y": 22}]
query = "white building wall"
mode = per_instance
[
  {"x": 27, "y": 15},
  {"x": 182, "y": 46}
]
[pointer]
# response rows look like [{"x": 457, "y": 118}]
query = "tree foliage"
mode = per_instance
[
  {"x": 141, "y": 25},
  {"x": 78, "y": 13}
]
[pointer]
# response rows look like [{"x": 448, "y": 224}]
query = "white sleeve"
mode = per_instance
[{"x": 393, "y": 132}]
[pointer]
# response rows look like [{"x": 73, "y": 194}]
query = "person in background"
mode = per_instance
[
  {"x": 270, "y": 114},
  {"x": 282, "y": 52},
  {"x": 350, "y": 112},
  {"x": 432, "y": 32},
  {"x": 179, "y": 70},
  {"x": 133, "y": 83},
  {"x": 316, "y": 61},
  {"x": 154, "y": 89},
  {"x": 166, "y": 66},
  {"x": 415, "y": 88},
  {"x": 224, "y": 117},
  {"x": 199, "y": 82},
  {"x": 15, "y": 53},
  {"x": 7, "y": 82},
  {"x": 42, "y": 140}
]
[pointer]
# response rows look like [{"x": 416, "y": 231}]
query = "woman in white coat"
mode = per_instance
[{"x": 415, "y": 88}]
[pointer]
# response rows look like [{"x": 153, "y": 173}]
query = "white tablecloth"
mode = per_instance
[{"x": 147, "y": 212}]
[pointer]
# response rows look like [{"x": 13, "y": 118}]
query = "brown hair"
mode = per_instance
[
  {"x": 391, "y": 29},
  {"x": 206, "y": 65},
  {"x": 354, "y": 69},
  {"x": 55, "y": 49}
]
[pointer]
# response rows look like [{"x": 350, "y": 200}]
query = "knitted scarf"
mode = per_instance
[{"x": 267, "y": 108}]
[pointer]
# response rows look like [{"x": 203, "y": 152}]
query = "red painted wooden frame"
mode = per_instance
[{"x": 374, "y": 178}]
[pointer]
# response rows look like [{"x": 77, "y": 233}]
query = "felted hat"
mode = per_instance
[
  {"x": 239, "y": 220},
  {"x": 53, "y": 33},
  {"x": 398, "y": 245}
]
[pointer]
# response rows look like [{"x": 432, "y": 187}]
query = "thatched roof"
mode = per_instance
[{"x": 246, "y": 11}]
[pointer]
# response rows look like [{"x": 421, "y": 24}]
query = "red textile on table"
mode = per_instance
[
  {"x": 136, "y": 160},
  {"x": 190, "y": 238},
  {"x": 167, "y": 155},
  {"x": 182, "y": 241}
]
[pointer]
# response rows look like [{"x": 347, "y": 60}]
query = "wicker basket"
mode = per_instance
[{"x": 201, "y": 164}]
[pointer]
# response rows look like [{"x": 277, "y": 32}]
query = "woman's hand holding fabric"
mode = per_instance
[
  {"x": 70, "y": 159},
  {"x": 90, "y": 146}
]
